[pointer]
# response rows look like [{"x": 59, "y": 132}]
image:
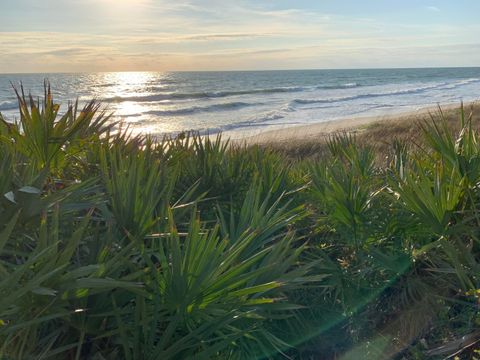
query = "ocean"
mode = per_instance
[{"x": 241, "y": 103}]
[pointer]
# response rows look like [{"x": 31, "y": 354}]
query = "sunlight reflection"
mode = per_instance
[
  {"x": 125, "y": 82},
  {"x": 125, "y": 85},
  {"x": 132, "y": 95}
]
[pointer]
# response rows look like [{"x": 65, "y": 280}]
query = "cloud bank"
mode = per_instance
[{"x": 148, "y": 35}]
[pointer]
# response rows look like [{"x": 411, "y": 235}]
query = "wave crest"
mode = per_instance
[
  {"x": 8, "y": 105},
  {"x": 222, "y": 94},
  {"x": 367, "y": 95},
  {"x": 197, "y": 109}
]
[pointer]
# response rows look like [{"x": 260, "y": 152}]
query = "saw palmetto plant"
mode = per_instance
[{"x": 122, "y": 247}]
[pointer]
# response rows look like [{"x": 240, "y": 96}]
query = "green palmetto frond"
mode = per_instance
[
  {"x": 211, "y": 293},
  {"x": 44, "y": 135}
]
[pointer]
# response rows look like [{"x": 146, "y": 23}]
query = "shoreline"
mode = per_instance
[{"x": 352, "y": 124}]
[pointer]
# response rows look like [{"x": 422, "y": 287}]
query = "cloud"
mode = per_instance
[
  {"x": 213, "y": 37},
  {"x": 53, "y": 52},
  {"x": 226, "y": 34},
  {"x": 433, "y": 8}
]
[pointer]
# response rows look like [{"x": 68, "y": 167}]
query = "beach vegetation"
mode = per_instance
[{"x": 121, "y": 246}]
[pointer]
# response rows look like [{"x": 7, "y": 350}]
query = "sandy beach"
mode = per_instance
[{"x": 322, "y": 129}]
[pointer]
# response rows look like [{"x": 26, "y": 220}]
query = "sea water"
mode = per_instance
[{"x": 241, "y": 103}]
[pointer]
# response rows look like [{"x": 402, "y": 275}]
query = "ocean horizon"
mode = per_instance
[{"x": 241, "y": 103}]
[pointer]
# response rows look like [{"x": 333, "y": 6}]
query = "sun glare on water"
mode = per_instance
[
  {"x": 127, "y": 86},
  {"x": 131, "y": 89},
  {"x": 129, "y": 78}
]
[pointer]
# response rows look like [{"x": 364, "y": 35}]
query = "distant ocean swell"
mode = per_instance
[
  {"x": 221, "y": 94},
  {"x": 197, "y": 109},
  {"x": 416, "y": 90}
]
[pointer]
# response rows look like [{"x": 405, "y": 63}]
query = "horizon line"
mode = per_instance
[{"x": 242, "y": 70}]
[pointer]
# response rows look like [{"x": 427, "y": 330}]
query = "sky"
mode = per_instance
[{"x": 160, "y": 35}]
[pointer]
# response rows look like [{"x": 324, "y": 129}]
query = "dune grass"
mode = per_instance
[
  {"x": 381, "y": 135},
  {"x": 122, "y": 247}
]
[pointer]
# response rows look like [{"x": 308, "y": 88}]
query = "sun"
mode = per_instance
[
  {"x": 122, "y": 7},
  {"x": 124, "y": 2}
]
